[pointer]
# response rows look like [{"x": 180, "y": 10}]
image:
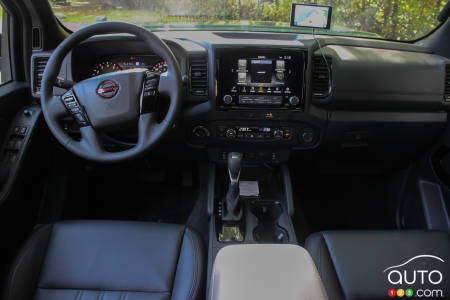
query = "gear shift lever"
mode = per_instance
[{"x": 232, "y": 207}]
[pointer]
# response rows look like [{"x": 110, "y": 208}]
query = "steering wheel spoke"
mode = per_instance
[
  {"x": 90, "y": 140},
  {"x": 146, "y": 126},
  {"x": 56, "y": 107}
]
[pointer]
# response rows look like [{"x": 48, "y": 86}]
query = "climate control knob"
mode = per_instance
[
  {"x": 294, "y": 101},
  {"x": 230, "y": 133},
  {"x": 307, "y": 136},
  {"x": 201, "y": 132},
  {"x": 227, "y": 99}
]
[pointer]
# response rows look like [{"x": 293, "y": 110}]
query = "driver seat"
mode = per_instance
[{"x": 108, "y": 260}]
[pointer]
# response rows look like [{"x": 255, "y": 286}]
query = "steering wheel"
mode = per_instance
[{"x": 111, "y": 99}]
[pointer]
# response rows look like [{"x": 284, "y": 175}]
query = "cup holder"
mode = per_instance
[{"x": 268, "y": 230}]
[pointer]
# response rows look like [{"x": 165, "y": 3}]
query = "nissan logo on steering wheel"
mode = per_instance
[{"x": 107, "y": 89}]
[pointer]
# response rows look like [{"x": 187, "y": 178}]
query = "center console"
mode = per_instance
[
  {"x": 258, "y": 116},
  {"x": 248, "y": 203},
  {"x": 243, "y": 272},
  {"x": 261, "y": 79}
]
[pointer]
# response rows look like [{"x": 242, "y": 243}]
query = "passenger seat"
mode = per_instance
[{"x": 382, "y": 264}]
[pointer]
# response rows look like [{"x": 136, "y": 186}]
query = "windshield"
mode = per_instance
[{"x": 402, "y": 20}]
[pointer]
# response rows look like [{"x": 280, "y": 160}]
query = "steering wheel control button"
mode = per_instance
[
  {"x": 150, "y": 91},
  {"x": 74, "y": 108},
  {"x": 108, "y": 89},
  {"x": 79, "y": 117}
]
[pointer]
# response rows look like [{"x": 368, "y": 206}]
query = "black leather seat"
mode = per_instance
[
  {"x": 359, "y": 264},
  {"x": 108, "y": 260}
]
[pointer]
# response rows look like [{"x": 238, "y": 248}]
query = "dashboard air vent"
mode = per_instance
[
  {"x": 36, "y": 38},
  {"x": 39, "y": 63},
  {"x": 447, "y": 83},
  {"x": 199, "y": 75},
  {"x": 321, "y": 77}
]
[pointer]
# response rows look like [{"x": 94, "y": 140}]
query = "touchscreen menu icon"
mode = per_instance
[
  {"x": 242, "y": 64},
  {"x": 242, "y": 77},
  {"x": 280, "y": 65}
]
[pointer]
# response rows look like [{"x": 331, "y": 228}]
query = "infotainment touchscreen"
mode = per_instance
[
  {"x": 261, "y": 71},
  {"x": 261, "y": 78}
]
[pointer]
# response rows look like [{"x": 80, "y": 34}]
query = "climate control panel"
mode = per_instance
[{"x": 254, "y": 133}]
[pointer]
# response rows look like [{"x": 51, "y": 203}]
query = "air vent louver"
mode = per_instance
[
  {"x": 447, "y": 83},
  {"x": 321, "y": 77},
  {"x": 39, "y": 64},
  {"x": 199, "y": 76}
]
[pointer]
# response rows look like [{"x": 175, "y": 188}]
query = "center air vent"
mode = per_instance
[
  {"x": 447, "y": 83},
  {"x": 199, "y": 75},
  {"x": 39, "y": 63},
  {"x": 321, "y": 81}
]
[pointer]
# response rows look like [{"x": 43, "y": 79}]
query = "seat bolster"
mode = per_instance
[
  {"x": 317, "y": 247},
  {"x": 24, "y": 275},
  {"x": 190, "y": 271}
]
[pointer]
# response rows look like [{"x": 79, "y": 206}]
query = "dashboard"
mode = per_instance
[{"x": 279, "y": 95}]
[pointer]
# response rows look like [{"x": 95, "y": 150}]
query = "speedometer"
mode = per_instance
[
  {"x": 160, "y": 67},
  {"x": 105, "y": 67}
]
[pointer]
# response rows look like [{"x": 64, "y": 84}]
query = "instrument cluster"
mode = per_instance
[{"x": 126, "y": 62}]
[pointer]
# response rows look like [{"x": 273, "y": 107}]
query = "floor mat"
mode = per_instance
[
  {"x": 144, "y": 193},
  {"x": 346, "y": 201}
]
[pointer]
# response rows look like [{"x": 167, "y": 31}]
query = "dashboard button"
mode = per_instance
[
  {"x": 23, "y": 130},
  {"x": 230, "y": 133},
  {"x": 279, "y": 75},
  {"x": 287, "y": 134},
  {"x": 307, "y": 136},
  {"x": 278, "y": 134}
]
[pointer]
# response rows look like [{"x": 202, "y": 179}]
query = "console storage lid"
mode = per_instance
[{"x": 265, "y": 271}]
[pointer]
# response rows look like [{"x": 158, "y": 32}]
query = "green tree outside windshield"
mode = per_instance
[{"x": 389, "y": 19}]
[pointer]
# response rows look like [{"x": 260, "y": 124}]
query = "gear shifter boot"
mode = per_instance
[{"x": 232, "y": 206}]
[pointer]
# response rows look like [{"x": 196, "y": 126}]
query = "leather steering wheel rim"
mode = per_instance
[{"x": 150, "y": 132}]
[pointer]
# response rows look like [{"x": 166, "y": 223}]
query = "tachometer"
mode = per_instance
[
  {"x": 160, "y": 67},
  {"x": 105, "y": 67}
]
